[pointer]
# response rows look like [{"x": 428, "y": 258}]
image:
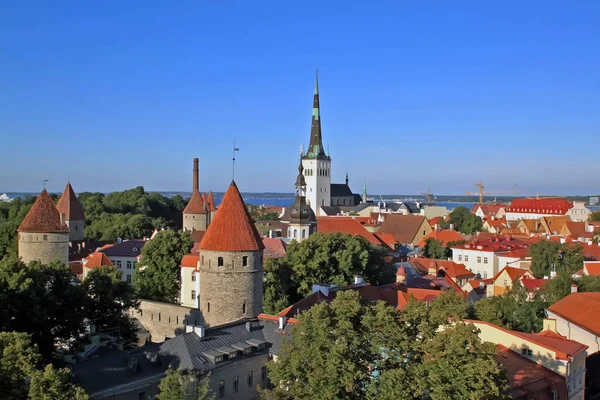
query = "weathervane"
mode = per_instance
[
  {"x": 46, "y": 180},
  {"x": 233, "y": 160}
]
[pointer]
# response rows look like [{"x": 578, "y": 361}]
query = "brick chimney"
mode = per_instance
[
  {"x": 574, "y": 288},
  {"x": 196, "y": 182},
  {"x": 401, "y": 275}
]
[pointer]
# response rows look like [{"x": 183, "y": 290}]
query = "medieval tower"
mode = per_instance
[
  {"x": 231, "y": 264},
  {"x": 43, "y": 234},
  {"x": 195, "y": 215},
  {"x": 303, "y": 222},
  {"x": 317, "y": 165},
  {"x": 71, "y": 211}
]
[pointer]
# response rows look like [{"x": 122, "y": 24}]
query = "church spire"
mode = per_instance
[
  {"x": 315, "y": 148},
  {"x": 364, "y": 193}
]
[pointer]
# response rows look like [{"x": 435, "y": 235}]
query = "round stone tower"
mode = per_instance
[
  {"x": 231, "y": 264},
  {"x": 43, "y": 234}
]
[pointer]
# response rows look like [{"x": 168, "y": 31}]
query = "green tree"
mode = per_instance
[
  {"x": 158, "y": 272},
  {"x": 179, "y": 386},
  {"x": 449, "y": 304},
  {"x": 547, "y": 256},
  {"x": 261, "y": 213},
  {"x": 108, "y": 299},
  {"x": 434, "y": 249},
  {"x": 325, "y": 258},
  {"x": 464, "y": 221},
  {"x": 53, "y": 384},
  {"x": 594, "y": 217},
  {"x": 275, "y": 286},
  {"x": 488, "y": 309},
  {"x": 589, "y": 283},
  {"x": 12, "y": 214},
  {"x": 18, "y": 360}
]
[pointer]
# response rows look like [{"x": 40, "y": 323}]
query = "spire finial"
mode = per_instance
[
  {"x": 347, "y": 178},
  {"x": 317, "y": 80},
  {"x": 233, "y": 160}
]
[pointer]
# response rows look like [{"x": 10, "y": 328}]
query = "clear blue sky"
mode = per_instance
[{"x": 414, "y": 94}]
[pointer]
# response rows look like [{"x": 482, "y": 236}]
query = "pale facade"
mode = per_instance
[
  {"x": 125, "y": 265},
  {"x": 478, "y": 261},
  {"x": 572, "y": 331},
  {"x": 430, "y": 212},
  {"x": 190, "y": 287},
  {"x": 579, "y": 212},
  {"x": 317, "y": 174},
  {"x": 45, "y": 247}
]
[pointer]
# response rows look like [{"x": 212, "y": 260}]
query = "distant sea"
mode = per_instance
[{"x": 287, "y": 199}]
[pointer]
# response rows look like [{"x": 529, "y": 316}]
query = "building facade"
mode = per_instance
[
  {"x": 124, "y": 256},
  {"x": 303, "y": 221}
]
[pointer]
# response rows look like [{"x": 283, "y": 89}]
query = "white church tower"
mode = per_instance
[{"x": 316, "y": 164}]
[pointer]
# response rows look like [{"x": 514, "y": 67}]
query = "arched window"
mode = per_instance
[
  {"x": 220, "y": 261},
  {"x": 303, "y": 233},
  {"x": 295, "y": 233}
]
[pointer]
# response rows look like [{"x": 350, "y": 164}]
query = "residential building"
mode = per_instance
[
  {"x": 124, "y": 256},
  {"x": 430, "y": 211},
  {"x": 457, "y": 272},
  {"x": 505, "y": 279},
  {"x": 537, "y": 208},
  {"x": 71, "y": 211},
  {"x": 576, "y": 317},
  {"x": 579, "y": 212},
  {"x": 43, "y": 235},
  {"x": 95, "y": 260},
  {"x": 489, "y": 211},
  {"x": 406, "y": 229},
  {"x": 493, "y": 225},
  {"x": 190, "y": 280}
]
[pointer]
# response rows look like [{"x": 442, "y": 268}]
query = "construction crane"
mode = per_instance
[
  {"x": 428, "y": 194},
  {"x": 481, "y": 193}
]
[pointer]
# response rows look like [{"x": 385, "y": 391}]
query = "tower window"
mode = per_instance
[
  {"x": 244, "y": 308},
  {"x": 220, "y": 261},
  {"x": 208, "y": 307},
  {"x": 45, "y": 237},
  {"x": 245, "y": 261},
  {"x": 193, "y": 277},
  {"x": 303, "y": 233},
  {"x": 202, "y": 260}
]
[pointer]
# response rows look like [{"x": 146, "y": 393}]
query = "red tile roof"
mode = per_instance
[
  {"x": 494, "y": 243},
  {"x": 69, "y": 205},
  {"x": 581, "y": 309},
  {"x": 445, "y": 236},
  {"x": 513, "y": 273},
  {"x": 274, "y": 247},
  {"x": 496, "y": 223},
  {"x": 533, "y": 285},
  {"x": 43, "y": 217},
  {"x": 403, "y": 227},
  {"x": 210, "y": 199},
  {"x": 592, "y": 267},
  {"x": 540, "y": 206},
  {"x": 190, "y": 260},
  {"x": 347, "y": 225},
  {"x": 197, "y": 235},
  {"x": 97, "y": 260},
  {"x": 435, "y": 220},
  {"x": 488, "y": 210},
  {"x": 195, "y": 205},
  {"x": 452, "y": 269},
  {"x": 387, "y": 240},
  {"x": 232, "y": 228}
]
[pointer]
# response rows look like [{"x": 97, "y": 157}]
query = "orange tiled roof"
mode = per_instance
[
  {"x": 540, "y": 206},
  {"x": 580, "y": 308},
  {"x": 435, "y": 220},
  {"x": 513, "y": 273},
  {"x": 195, "y": 205},
  {"x": 210, "y": 199},
  {"x": 488, "y": 209},
  {"x": 43, "y": 217},
  {"x": 533, "y": 285},
  {"x": 97, "y": 260},
  {"x": 347, "y": 225},
  {"x": 496, "y": 223},
  {"x": 451, "y": 268},
  {"x": 69, "y": 205},
  {"x": 232, "y": 229},
  {"x": 190, "y": 260},
  {"x": 576, "y": 229},
  {"x": 274, "y": 247},
  {"x": 445, "y": 236},
  {"x": 387, "y": 240},
  {"x": 592, "y": 267}
]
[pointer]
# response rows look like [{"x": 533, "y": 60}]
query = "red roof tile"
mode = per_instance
[
  {"x": 210, "y": 199},
  {"x": 592, "y": 268},
  {"x": 445, "y": 236},
  {"x": 190, "y": 260},
  {"x": 513, "y": 273},
  {"x": 97, "y": 260},
  {"x": 232, "y": 228},
  {"x": 197, "y": 235},
  {"x": 435, "y": 220},
  {"x": 274, "y": 247},
  {"x": 403, "y": 227},
  {"x": 488, "y": 210},
  {"x": 43, "y": 217},
  {"x": 452, "y": 269},
  {"x": 195, "y": 205},
  {"x": 581, "y": 309},
  {"x": 69, "y": 205},
  {"x": 344, "y": 225},
  {"x": 540, "y": 206},
  {"x": 533, "y": 285}
]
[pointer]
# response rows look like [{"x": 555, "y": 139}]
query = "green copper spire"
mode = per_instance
[{"x": 315, "y": 148}]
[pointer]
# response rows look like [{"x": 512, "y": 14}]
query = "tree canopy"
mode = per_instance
[
  {"x": 464, "y": 221},
  {"x": 435, "y": 249},
  {"x": 353, "y": 350},
  {"x": 158, "y": 272},
  {"x": 547, "y": 256},
  {"x": 177, "y": 386},
  {"x": 261, "y": 213},
  {"x": 12, "y": 214},
  {"x": 594, "y": 217},
  {"x": 332, "y": 258}
]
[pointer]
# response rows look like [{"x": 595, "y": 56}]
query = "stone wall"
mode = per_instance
[
  {"x": 165, "y": 320},
  {"x": 231, "y": 291},
  {"x": 76, "y": 230},
  {"x": 46, "y": 247},
  {"x": 198, "y": 222}
]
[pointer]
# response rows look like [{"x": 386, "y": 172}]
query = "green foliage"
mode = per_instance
[
  {"x": 594, "y": 217},
  {"x": 108, "y": 299},
  {"x": 130, "y": 214},
  {"x": 350, "y": 350},
  {"x": 158, "y": 273},
  {"x": 12, "y": 214},
  {"x": 178, "y": 386},
  {"x": 464, "y": 221},
  {"x": 18, "y": 360},
  {"x": 450, "y": 304},
  {"x": 41, "y": 300},
  {"x": 546, "y": 255},
  {"x": 589, "y": 284},
  {"x": 261, "y": 213},
  {"x": 434, "y": 249},
  {"x": 53, "y": 384},
  {"x": 323, "y": 258}
]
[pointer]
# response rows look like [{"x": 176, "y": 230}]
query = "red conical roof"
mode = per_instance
[
  {"x": 43, "y": 217},
  {"x": 211, "y": 201},
  {"x": 232, "y": 228},
  {"x": 195, "y": 205},
  {"x": 69, "y": 205}
]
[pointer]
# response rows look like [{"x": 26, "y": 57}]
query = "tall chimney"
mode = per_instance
[{"x": 196, "y": 176}]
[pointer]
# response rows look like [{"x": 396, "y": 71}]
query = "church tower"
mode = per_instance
[
  {"x": 364, "y": 193},
  {"x": 303, "y": 222},
  {"x": 43, "y": 234},
  {"x": 231, "y": 264},
  {"x": 195, "y": 216},
  {"x": 70, "y": 209},
  {"x": 317, "y": 165}
]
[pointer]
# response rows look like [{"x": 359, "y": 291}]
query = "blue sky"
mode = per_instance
[{"x": 414, "y": 95}]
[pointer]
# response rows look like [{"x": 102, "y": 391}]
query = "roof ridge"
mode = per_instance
[{"x": 43, "y": 217}]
